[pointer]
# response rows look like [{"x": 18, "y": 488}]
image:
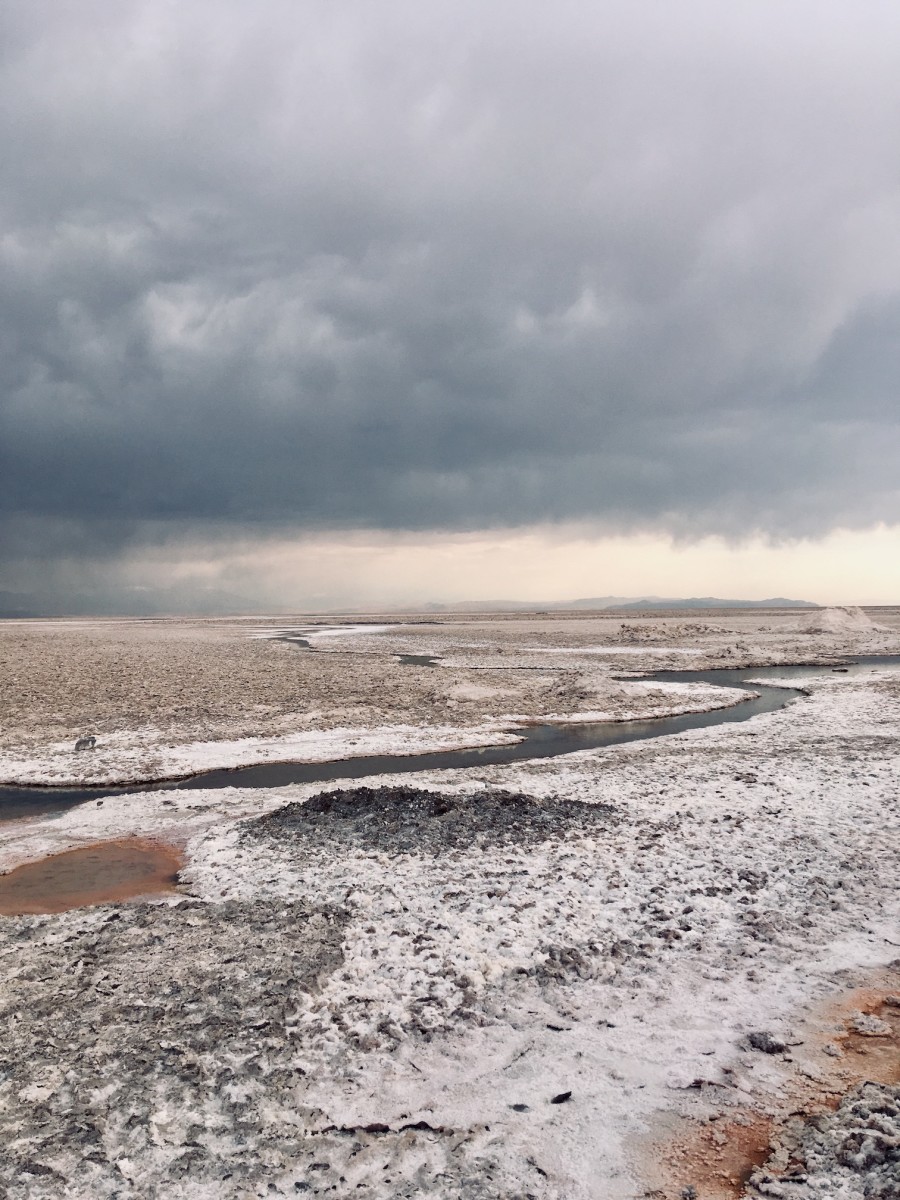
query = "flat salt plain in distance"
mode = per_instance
[{"x": 546, "y": 994}]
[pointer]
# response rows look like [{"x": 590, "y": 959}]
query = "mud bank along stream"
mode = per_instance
[{"x": 536, "y": 741}]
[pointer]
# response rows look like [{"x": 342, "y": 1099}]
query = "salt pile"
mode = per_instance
[{"x": 844, "y": 619}]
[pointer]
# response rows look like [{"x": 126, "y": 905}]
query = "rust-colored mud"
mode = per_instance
[
  {"x": 867, "y": 1056},
  {"x": 716, "y": 1158},
  {"x": 96, "y": 874}
]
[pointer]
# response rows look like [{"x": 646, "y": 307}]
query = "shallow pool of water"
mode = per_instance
[{"x": 97, "y": 874}]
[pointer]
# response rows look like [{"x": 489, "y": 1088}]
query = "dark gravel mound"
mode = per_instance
[{"x": 404, "y": 819}]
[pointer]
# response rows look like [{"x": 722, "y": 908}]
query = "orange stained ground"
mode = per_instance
[
  {"x": 717, "y": 1157},
  {"x": 100, "y": 873}
]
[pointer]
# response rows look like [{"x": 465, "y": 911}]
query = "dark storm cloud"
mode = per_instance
[{"x": 447, "y": 266}]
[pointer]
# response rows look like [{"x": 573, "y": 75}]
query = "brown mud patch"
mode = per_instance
[
  {"x": 715, "y": 1159},
  {"x": 870, "y": 1053},
  {"x": 854, "y": 1039},
  {"x": 101, "y": 873}
]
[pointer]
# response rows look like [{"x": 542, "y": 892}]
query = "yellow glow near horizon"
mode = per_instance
[{"x": 544, "y": 563}]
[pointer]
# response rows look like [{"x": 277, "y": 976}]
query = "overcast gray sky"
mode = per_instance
[{"x": 279, "y": 272}]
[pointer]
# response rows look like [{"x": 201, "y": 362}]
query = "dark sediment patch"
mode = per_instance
[
  {"x": 131, "y": 1032},
  {"x": 96, "y": 874},
  {"x": 412, "y": 820}
]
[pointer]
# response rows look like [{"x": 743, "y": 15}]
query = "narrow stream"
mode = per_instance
[{"x": 538, "y": 741}]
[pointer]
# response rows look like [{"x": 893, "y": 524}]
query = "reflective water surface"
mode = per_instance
[{"x": 538, "y": 741}]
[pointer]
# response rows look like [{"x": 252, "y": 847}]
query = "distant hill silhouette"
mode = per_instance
[
  {"x": 712, "y": 602},
  {"x": 607, "y": 603},
  {"x": 200, "y": 601}
]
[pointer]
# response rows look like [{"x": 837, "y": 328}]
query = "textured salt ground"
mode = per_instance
[
  {"x": 842, "y": 1136},
  {"x": 852, "y": 1152},
  {"x": 133, "y": 1070},
  {"x": 475, "y": 983},
  {"x": 775, "y": 855},
  {"x": 839, "y": 1051},
  {"x": 168, "y": 698},
  {"x": 276, "y": 1131}
]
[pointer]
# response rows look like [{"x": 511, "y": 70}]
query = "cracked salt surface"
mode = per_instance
[{"x": 381, "y": 993}]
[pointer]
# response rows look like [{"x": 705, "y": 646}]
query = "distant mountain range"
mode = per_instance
[
  {"x": 604, "y": 603},
  {"x": 715, "y": 602},
  {"x": 212, "y": 602}
]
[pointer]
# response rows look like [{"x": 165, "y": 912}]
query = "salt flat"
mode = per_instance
[
  {"x": 388, "y": 1005},
  {"x": 164, "y": 698}
]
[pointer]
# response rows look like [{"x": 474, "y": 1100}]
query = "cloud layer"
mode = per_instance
[{"x": 447, "y": 266}]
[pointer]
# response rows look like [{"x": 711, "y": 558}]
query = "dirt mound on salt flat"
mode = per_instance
[
  {"x": 406, "y": 819},
  {"x": 666, "y": 631}
]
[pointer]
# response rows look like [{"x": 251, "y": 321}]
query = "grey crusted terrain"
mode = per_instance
[
  {"x": 163, "y": 1051},
  {"x": 852, "y": 1153},
  {"x": 144, "y": 1035},
  {"x": 401, "y": 820}
]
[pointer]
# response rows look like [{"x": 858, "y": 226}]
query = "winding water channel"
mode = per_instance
[{"x": 537, "y": 741}]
